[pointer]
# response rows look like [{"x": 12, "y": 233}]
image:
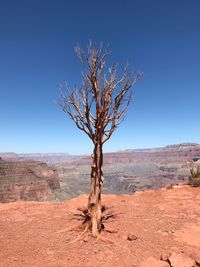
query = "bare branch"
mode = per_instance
[{"x": 101, "y": 102}]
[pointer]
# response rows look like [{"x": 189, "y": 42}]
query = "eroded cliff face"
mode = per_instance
[
  {"x": 131, "y": 170},
  {"x": 180, "y": 153},
  {"x": 124, "y": 172},
  {"x": 26, "y": 180}
]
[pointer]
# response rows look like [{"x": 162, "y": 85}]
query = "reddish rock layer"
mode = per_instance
[
  {"x": 27, "y": 180},
  {"x": 169, "y": 154}
]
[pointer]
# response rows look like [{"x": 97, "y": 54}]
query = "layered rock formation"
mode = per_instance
[
  {"x": 169, "y": 154},
  {"x": 11, "y": 156},
  {"x": 49, "y": 158},
  {"x": 26, "y": 180},
  {"x": 125, "y": 171},
  {"x": 172, "y": 153},
  {"x": 131, "y": 170}
]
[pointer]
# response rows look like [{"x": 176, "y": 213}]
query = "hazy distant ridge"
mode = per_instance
[{"x": 51, "y": 158}]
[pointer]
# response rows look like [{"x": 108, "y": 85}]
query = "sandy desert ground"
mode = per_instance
[{"x": 162, "y": 221}]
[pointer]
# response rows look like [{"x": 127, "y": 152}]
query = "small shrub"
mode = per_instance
[
  {"x": 169, "y": 186},
  {"x": 194, "y": 178}
]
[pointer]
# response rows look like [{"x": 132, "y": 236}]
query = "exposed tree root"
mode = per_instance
[
  {"x": 72, "y": 228},
  {"x": 81, "y": 236},
  {"x": 105, "y": 239},
  {"x": 109, "y": 230},
  {"x": 85, "y": 225}
]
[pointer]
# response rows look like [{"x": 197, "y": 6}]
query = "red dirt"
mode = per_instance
[{"x": 163, "y": 221}]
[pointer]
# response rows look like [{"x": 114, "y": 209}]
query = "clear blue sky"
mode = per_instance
[{"x": 161, "y": 38}]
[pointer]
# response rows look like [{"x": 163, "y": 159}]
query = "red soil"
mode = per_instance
[{"x": 163, "y": 221}]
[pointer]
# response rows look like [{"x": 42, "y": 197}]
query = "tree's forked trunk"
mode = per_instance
[{"x": 94, "y": 200}]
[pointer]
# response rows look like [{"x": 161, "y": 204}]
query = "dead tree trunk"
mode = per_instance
[{"x": 94, "y": 200}]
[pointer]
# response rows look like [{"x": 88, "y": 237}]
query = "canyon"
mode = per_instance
[
  {"x": 156, "y": 227},
  {"x": 125, "y": 172}
]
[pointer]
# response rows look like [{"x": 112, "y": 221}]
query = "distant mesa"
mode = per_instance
[
  {"x": 182, "y": 146},
  {"x": 9, "y": 155},
  {"x": 49, "y": 158},
  {"x": 52, "y": 158},
  {"x": 172, "y": 153}
]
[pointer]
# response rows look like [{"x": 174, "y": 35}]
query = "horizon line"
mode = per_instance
[{"x": 113, "y": 151}]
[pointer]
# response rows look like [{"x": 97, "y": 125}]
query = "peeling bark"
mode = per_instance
[{"x": 94, "y": 199}]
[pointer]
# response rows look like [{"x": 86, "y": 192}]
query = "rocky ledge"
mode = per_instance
[{"x": 26, "y": 180}]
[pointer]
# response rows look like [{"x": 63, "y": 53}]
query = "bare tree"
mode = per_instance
[{"x": 97, "y": 107}]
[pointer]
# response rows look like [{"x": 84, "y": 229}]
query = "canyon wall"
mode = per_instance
[
  {"x": 124, "y": 171},
  {"x": 131, "y": 170},
  {"x": 26, "y": 180}
]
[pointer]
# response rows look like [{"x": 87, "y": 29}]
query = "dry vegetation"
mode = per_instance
[{"x": 194, "y": 178}]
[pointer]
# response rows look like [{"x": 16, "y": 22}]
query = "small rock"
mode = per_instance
[
  {"x": 152, "y": 262},
  {"x": 131, "y": 237},
  {"x": 165, "y": 256},
  {"x": 180, "y": 260},
  {"x": 14, "y": 259}
]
